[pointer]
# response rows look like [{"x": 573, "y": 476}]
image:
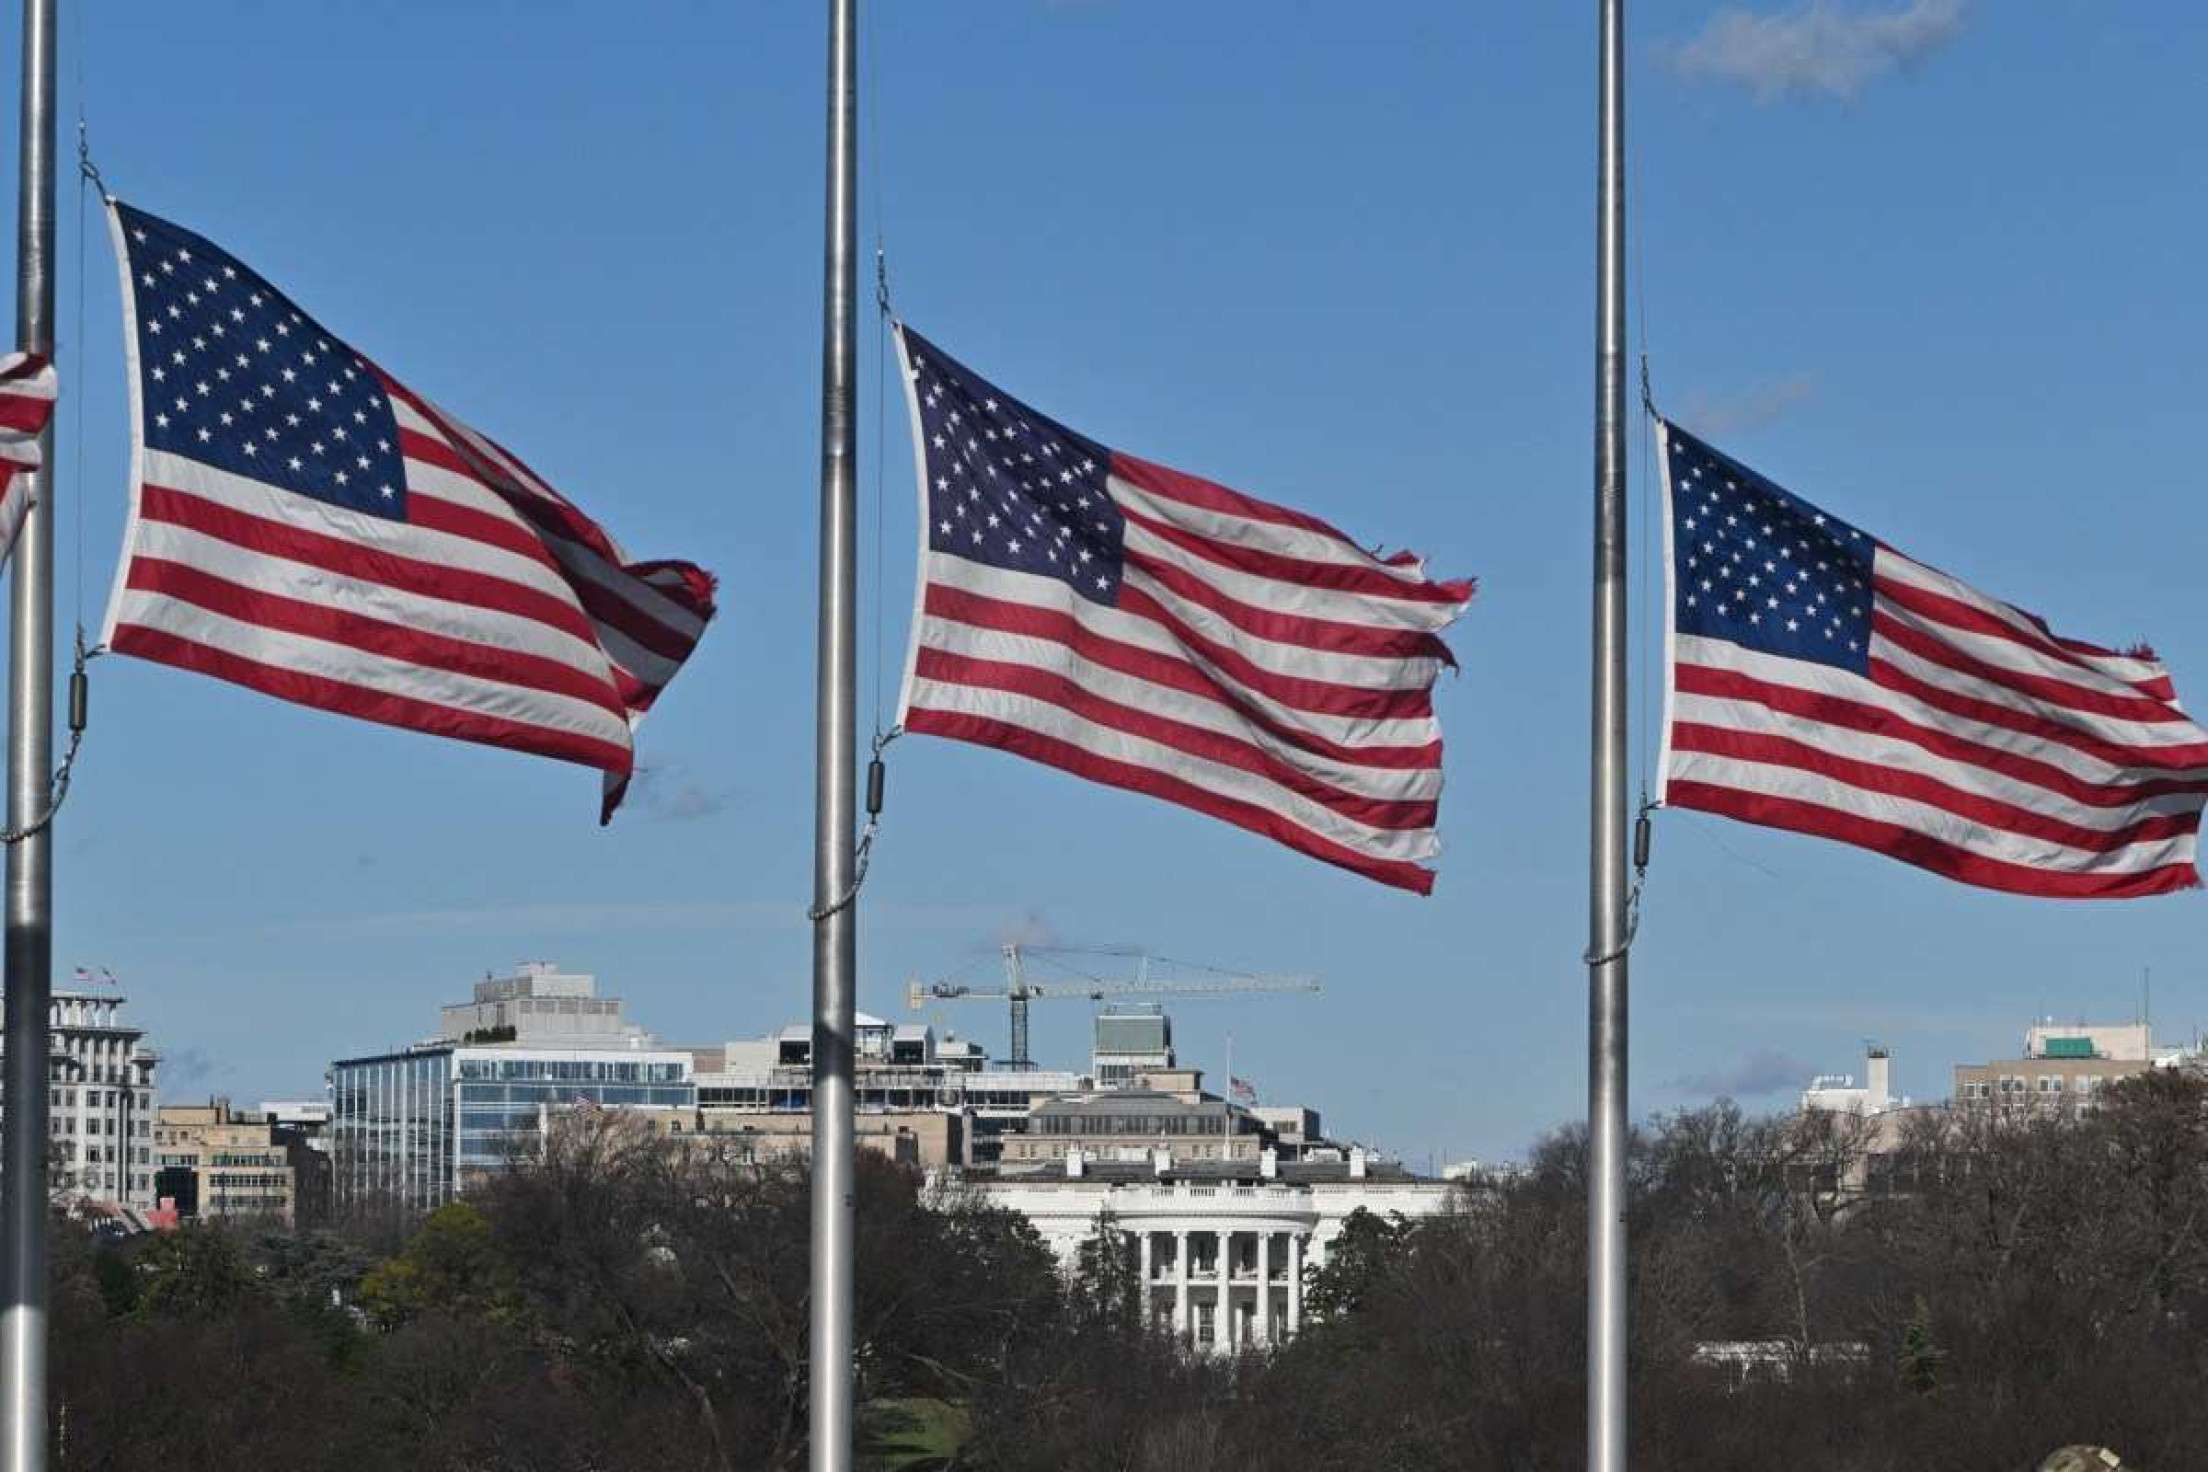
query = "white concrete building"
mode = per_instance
[
  {"x": 542, "y": 1005},
  {"x": 100, "y": 1103},
  {"x": 1838, "y": 1093},
  {"x": 308, "y": 1119},
  {"x": 1223, "y": 1248}
]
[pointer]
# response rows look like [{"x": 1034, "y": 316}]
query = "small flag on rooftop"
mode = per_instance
[
  {"x": 27, "y": 388},
  {"x": 1154, "y": 631},
  {"x": 304, "y": 524},
  {"x": 1242, "y": 1089},
  {"x": 1819, "y": 680}
]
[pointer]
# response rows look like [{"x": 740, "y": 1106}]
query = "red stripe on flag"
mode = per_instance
[
  {"x": 1162, "y": 480},
  {"x": 984, "y": 731},
  {"x": 1778, "y": 751},
  {"x": 2042, "y": 688},
  {"x": 544, "y": 506},
  {"x": 1957, "y": 614},
  {"x": 983, "y": 612},
  {"x": 1321, "y": 697},
  {"x": 1326, "y": 635},
  {"x": 1878, "y": 720},
  {"x": 1195, "y": 741},
  {"x": 24, "y": 413},
  {"x": 371, "y": 635},
  {"x": 435, "y": 513},
  {"x": 352, "y": 559},
  {"x": 601, "y": 602},
  {"x": 1298, "y": 571},
  {"x": 2024, "y": 723},
  {"x": 1915, "y": 848},
  {"x": 369, "y": 705}
]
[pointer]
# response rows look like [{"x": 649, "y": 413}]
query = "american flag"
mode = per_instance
[
  {"x": 27, "y": 388},
  {"x": 304, "y": 524},
  {"x": 1153, "y": 631},
  {"x": 1821, "y": 681},
  {"x": 1242, "y": 1089}
]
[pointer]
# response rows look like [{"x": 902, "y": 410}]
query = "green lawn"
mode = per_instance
[{"x": 911, "y": 1435}]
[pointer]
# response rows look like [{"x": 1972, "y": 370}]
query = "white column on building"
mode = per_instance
[
  {"x": 1295, "y": 1282},
  {"x": 80, "y": 1148},
  {"x": 1265, "y": 1287},
  {"x": 1180, "y": 1285},
  {"x": 1222, "y": 1322},
  {"x": 1145, "y": 1300}
]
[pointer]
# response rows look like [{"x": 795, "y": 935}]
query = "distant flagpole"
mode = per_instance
[
  {"x": 1608, "y": 936},
  {"x": 29, "y": 917},
  {"x": 835, "y": 793}
]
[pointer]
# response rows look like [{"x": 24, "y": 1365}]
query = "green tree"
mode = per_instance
[
  {"x": 1360, "y": 1259},
  {"x": 1107, "y": 1278},
  {"x": 195, "y": 1273},
  {"x": 1920, "y": 1356},
  {"x": 451, "y": 1266}
]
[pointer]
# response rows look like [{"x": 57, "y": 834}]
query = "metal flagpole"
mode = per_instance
[
  {"x": 29, "y": 921},
  {"x": 835, "y": 754},
  {"x": 1608, "y": 935}
]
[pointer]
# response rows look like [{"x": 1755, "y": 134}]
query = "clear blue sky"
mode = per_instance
[{"x": 1940, "y": 274}]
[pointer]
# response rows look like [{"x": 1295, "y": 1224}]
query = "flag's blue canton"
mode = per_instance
[
  {"x": 1010, "y": 487},
  {"x": 1759, "y": 566},
  {"x": 234, "y": 375}
]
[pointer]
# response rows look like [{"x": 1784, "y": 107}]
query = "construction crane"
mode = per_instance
[{"x": 1180, "y": 979}]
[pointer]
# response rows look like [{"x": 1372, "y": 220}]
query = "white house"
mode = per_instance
[{"x": 1223, "y": 1245}]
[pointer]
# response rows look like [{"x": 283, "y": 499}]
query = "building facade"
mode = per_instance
[
  {"x": 900, "y": 1071},
  {"x": 410, "y": 1127},
  {"x": 1839, "y": 1093},
  {"x": 1223, "y": 1250},
  {"x": 213, "y": 1161},
  {"x": 927, "y": 1139},
  {"x": 1130, "y": 1042},
  {"x": 100, "y": 1090},
  {"x": 1131, "y": 1123},
  {"x": 2063, "y": 1067}
]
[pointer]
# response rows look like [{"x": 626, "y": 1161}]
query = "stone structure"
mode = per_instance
[
  {"x": 100, "y": 1104},
  {"x": 1224, "y": 1248}
]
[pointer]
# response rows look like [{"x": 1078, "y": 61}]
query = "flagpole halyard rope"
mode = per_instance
[
  {"x": 1643, "y": 827},
  {"x": 863, "y": 853},
  {"x": 57, "y": 790},
  {"x": 80, "y": 685}
]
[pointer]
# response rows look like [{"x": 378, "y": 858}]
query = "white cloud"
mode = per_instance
[
  {"x": 670, "y": 794},
  {"x": 1819, "y": 49},
  {"x": 1764, "y": 1071},
  {"x": 1029, "y": 928}
]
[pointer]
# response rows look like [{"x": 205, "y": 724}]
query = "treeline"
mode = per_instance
[{"x": 1807, "y": 1294}]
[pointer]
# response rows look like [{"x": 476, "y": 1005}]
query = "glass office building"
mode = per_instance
[{"x": 410, "y": 1127}]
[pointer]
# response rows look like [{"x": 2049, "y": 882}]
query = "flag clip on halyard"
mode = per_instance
[
  {"x": 1158, "y": 632},
  {"x": 1819, "y": 680},
  {"x": 305, "y": 525}
]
